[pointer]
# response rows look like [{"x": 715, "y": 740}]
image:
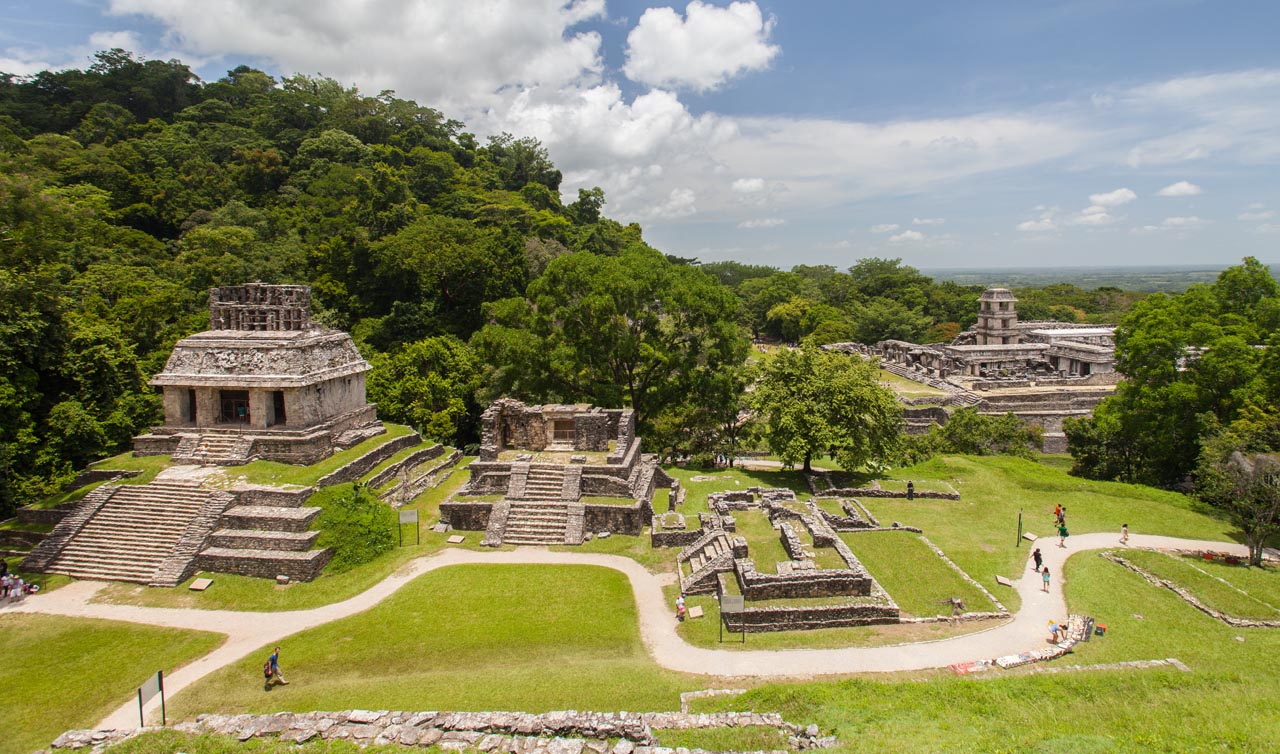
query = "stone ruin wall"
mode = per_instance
[{"x": 258, "y": 306}]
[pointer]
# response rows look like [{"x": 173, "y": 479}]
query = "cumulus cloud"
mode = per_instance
[
  {"x": 1113, "y": 198},
  {"x": 748, "y": 186},
  {"x": 679, "y": 203},
  {"x": 700, "y": 51},
  {"x": 884, "y": 228},
  {"x": 907, "y": 236},
  {"x": 928, "y": 220},
  {"x": 1181, "y": 188},
  {"x": 762, "y": 222},
  {"x": 445, "y": 54},
  {"x": 1184, "y": 222},
  {"x": 1265, "y": 214}
]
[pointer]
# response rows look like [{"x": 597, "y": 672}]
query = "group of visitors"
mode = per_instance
[
  {"x": 13, "y": 586},
  {"x": 1060, "y": 515}
]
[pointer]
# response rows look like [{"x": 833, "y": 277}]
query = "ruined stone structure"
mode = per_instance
[
  {"x": 543, "y": 460},
  {"x": 1041, "y": 371},
  {"x": 262, "y": 382}
]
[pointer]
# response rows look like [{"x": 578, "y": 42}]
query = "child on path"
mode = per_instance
[
  {"x": 1044, "y": 574},
  {"x": 1038, "y": 558},
  {"x": 1124, "y": 534},
  {"x": 1062, "y": 535}
]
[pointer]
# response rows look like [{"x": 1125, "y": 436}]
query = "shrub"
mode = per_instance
[{"x": 357, "y": 525}]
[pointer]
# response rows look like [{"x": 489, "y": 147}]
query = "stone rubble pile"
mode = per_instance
[{"x": 568, "y": 732}]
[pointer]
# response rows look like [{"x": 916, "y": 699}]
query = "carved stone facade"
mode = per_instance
[
  {"x": 265, "y": 372},
  {"x": 510, "y": 424}
]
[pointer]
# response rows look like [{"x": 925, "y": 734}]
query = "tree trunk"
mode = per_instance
[
  {"x": 807, "y": 467},
  {"x": 1256, "y": 544}
]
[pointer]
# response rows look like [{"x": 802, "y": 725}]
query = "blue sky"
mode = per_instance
[{"x": 950, "y": 134}]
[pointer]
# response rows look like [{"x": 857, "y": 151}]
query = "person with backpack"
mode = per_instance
[{"x": 271, "y": 670}]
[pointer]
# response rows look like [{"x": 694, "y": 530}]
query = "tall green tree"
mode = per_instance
[{"x": 811, "y": 402}]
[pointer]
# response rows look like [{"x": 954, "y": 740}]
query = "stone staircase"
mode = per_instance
[
  {"x": 215, "y": 448},
  {"x": 267, "y": 540},
  {"x": 130, "y": 532},
  {"x": 544, "y": 483},
  {"x": 536, "y": 523},
  {"x": 704, "y": 560}
]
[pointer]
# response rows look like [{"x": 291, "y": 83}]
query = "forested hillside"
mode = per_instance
[{"x": 128, "y": 189}]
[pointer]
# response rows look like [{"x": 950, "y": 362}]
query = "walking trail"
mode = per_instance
[{"x": 251, "y": 631}]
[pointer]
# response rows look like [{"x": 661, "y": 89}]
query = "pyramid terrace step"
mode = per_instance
[
  {"x": 267, "y": 517},
  {"x": 254, "y": 539},
  {"x": 299, "y": 566}
]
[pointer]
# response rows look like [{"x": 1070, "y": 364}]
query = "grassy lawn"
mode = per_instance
[
  {"x": 1219, "y": 707},
  {"x": 231, "y": 592},
  {"x": 148, "y": 465},
  {"x": 764, "y": 543},
  {"x": 272, "y": 472},
  {"x": 402, "y": 454},
  {"x": 61, "y": 673},
  {"x": 479, "y": 637},
  {"x": 1246, "y": 593},
  {"x": 657, "y": 560},
  {"x": 913, "y": 574},
  {"x": 979, "y": 531},
  {"x": 747, "y": 738},
  {"x": 908, "y": 388}
]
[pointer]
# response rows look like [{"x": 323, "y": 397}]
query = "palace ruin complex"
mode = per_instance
[{"x": 1042, "y": 372}]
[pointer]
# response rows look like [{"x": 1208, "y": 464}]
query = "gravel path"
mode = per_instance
[{"x": 249, "y": 631}]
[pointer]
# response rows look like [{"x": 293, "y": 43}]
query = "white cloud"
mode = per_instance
[
  {"x": 702, "y": 51},
  {"x": 1268, "y": 228},
  {"x": 1041, "y": 225},
  {"x": 1113, "y": 198},
  {"x": 762, "y": 222},
  {"x": 449, "y": 54},
  {"x": 748, "y": 186},
  {"x": 928, "y": 220},
  {"x": 1181, "y": 188},
  {"x": 884, "y": 228},
  {"x": 1184, "y": 222},
  {"x": 679, "y": 203},
  {"x": 907, "y": 236},
  {"x": 1256, "y": 216},
  {"x": 1094, "y": 215}
]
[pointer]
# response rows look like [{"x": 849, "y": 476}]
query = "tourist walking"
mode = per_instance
[
  {"x": 1037, "y": 558},
  {"x": 1044, "y": 575},
  {"x": 680, "y": 607},
  {"x": 1063, "y": 534},
  {"x": 273, "y": 667},
  {"x": 1124, "y": 534}
]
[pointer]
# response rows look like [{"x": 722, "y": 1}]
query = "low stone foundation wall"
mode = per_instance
[
  {"x": 874, "y": 492},
  {"x": 409, "y": 461},
  {"x": 504, "y": 732},
  {"x": 32, "y": 515},
  {"x": 763, "y": 619},
  {"x": 618, "y": 519},
  {"x": 803, "y": 584},
  {"x": 155, "y": 445},
  {"x": 89, "y": 476},
  {"x": 466, "y": 516},
  {"x": 673, "y": 537},
  {"x": 361, "y": 466},
  {"x": 273, "y": 496}
]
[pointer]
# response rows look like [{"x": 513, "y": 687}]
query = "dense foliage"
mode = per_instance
[
  {"x": 130, "y": 188},
  {"x": 1196, "y": 364},
  {"x": 355, "y": 524}
]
